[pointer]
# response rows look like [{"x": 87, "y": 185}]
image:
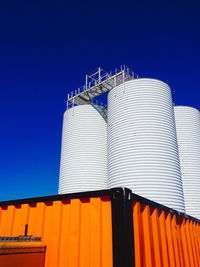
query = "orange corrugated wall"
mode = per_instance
[
  {"x": 77, "y": 232},
  {"x": 163, "y": 239}
]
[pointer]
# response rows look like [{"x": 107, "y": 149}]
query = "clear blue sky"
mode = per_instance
[{"x": 47, "y": 47}]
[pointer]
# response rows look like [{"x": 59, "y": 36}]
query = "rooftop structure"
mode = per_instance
[{"x": 99, "y": 83}]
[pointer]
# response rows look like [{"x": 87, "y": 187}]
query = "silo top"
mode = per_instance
[
  {"x": 83, "y": 164},
  {"x": 188, "y": 135},
  {"x": 142, "y": 144}
]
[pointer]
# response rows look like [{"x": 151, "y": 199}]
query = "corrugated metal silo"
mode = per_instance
[
  {"x": 188, "y": 136},
  {"x": 142, "y": 145},
  {"x": 83, "y": 164}
]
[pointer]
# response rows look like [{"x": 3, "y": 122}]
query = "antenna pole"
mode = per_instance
[{"x": 86, "y": 81}]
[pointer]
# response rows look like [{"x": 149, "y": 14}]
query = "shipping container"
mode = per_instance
[{"x": 107, "y": 228}]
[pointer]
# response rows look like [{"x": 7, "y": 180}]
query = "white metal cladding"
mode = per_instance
[
  {"x": 142, "y": 145},
  {"x": 188, "y": 136},
  {"x": 83, "y": 164}
]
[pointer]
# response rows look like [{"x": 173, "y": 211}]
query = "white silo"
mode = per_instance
[
  {"x": 142, "y": 144},
  {"x": 83, "y": 165},
  {"x": 188, "y": 136}
]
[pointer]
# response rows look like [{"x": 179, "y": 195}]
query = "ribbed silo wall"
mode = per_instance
[
  {"x": 188, "y": 136},
  {"x": 142, "y": 144},
  {"x": 83, "y": 165}
]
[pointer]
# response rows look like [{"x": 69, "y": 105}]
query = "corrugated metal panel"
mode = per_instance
[
  {"x": 77, "y": 232},
  {"x": 188, "y": 136},
  {"x": 83, "y": 165},
  {"x": 142, "y": 145},
  {"x": 163, "y": 239}
]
